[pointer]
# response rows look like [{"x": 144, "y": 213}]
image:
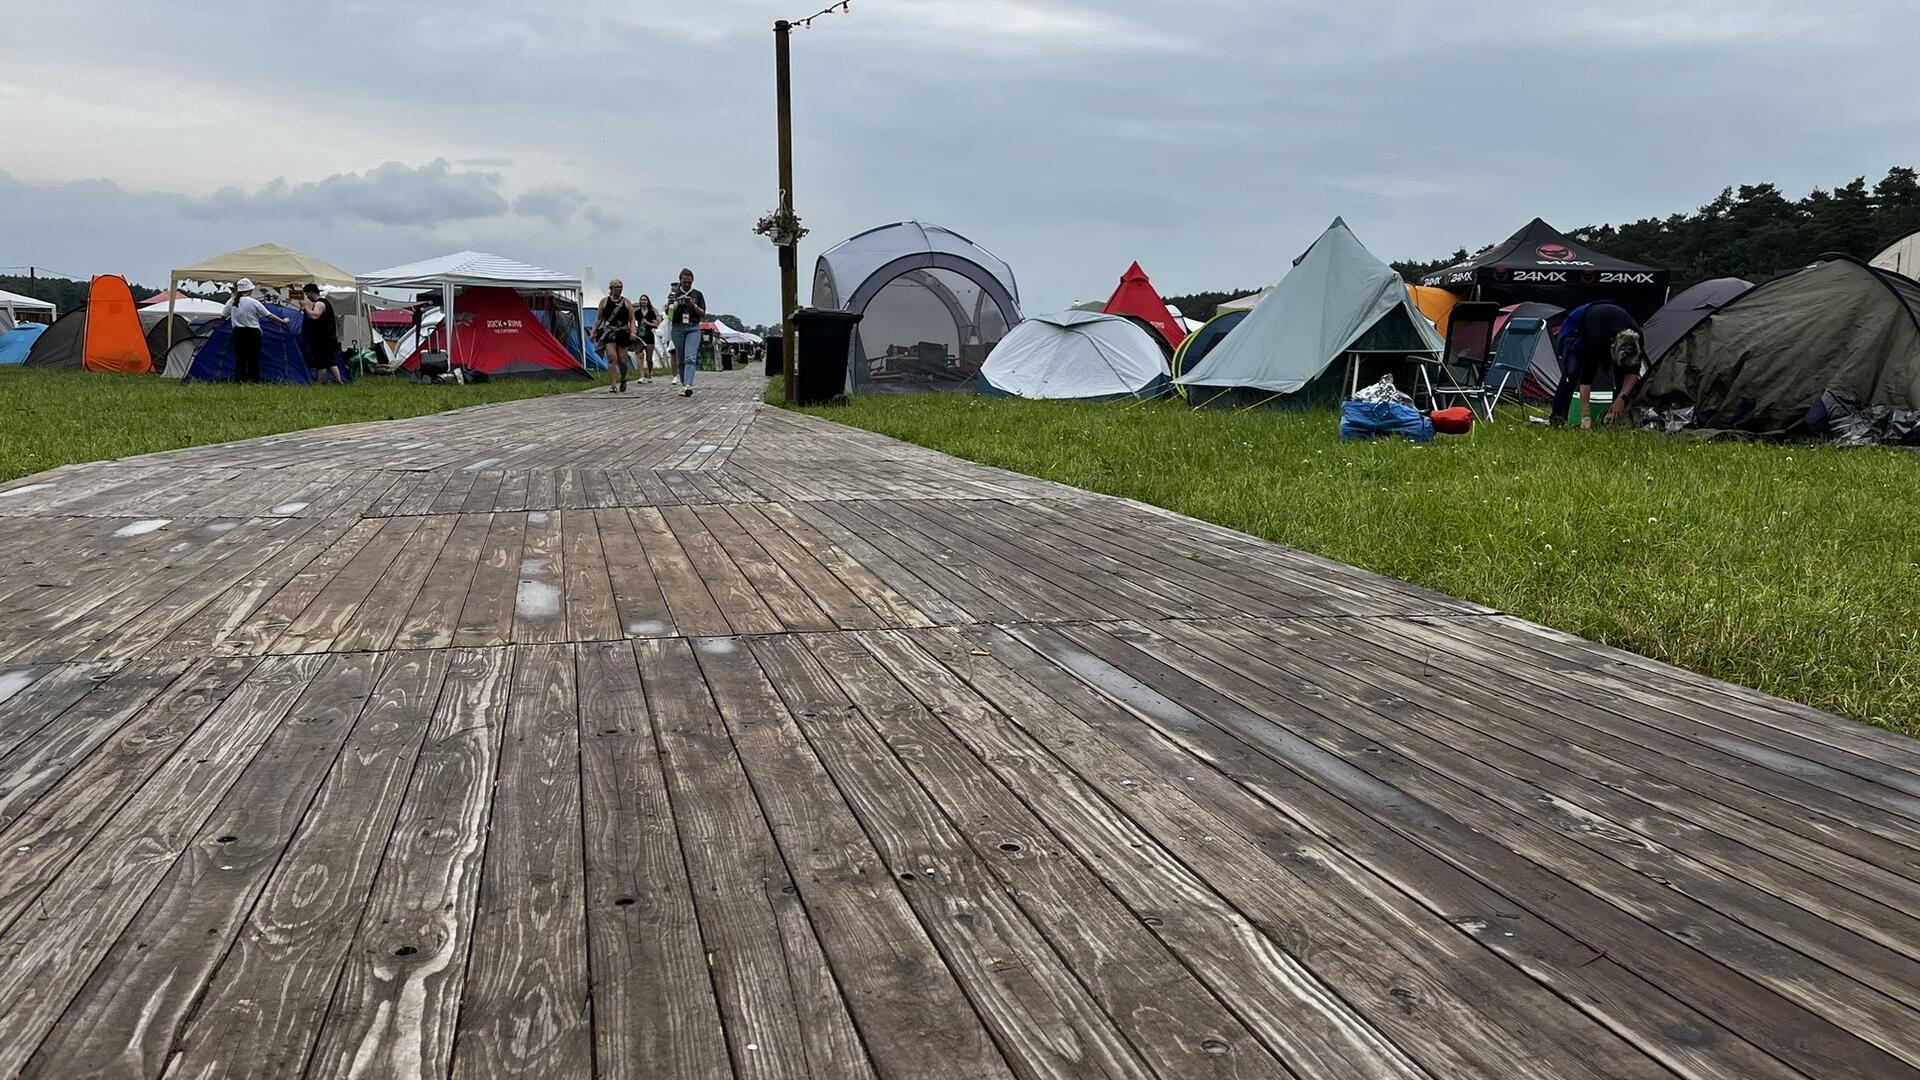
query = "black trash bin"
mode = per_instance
[
  {"x": 822, "y": 339},
  {"x": 776, "y": 359}
]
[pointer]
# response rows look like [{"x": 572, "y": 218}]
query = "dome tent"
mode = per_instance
[
  {"x": 1688, "y": 310},
  {"x": 1077, "y": 356},
  {"x": 933, "y": 305},
  {"x": 1902, "y": 257},
  {"x": 1337, "y": 300},
  {"x": 1799, "y": 355}
]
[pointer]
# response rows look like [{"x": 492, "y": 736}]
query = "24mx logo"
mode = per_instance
[{"x": 1625, "y": 277}]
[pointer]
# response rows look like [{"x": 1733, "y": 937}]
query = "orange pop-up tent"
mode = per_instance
[{"x": 114, "y": 342}]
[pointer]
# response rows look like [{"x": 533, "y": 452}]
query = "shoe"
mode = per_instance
[
  {"x": 676, "y": 380},
  {"x": 623, "y": 386},
  {"x": 686, "y": 391},
  {"x": 646, "y": 382}
]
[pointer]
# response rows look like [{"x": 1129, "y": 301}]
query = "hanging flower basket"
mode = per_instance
[{"x": 780, "y": 226}]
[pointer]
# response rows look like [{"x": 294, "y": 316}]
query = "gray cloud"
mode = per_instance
[
  {"x": 553, "y": 203},
  {"x": 389, "y": 194}
]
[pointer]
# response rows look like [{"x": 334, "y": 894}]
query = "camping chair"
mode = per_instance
[
  {"x": 1513, "y": 358},
  {"x": 1460, "y": 373}
]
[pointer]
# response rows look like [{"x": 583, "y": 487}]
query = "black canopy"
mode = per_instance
[{"x": 1541, "y": 263}]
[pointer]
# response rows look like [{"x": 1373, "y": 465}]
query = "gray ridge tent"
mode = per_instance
[{"x": 1338, "y": 300}]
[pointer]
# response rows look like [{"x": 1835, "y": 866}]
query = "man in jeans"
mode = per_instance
[
  {"x": 1593, "y": 337},
  {"x": 686, "y": 309}
]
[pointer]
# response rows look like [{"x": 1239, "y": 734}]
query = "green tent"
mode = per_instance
[{"x": 1825, "y": 351}]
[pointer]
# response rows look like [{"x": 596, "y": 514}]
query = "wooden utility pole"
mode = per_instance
[{"x": 790, "y": 251}]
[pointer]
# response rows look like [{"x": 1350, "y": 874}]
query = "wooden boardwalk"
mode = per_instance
[{"x": 659, "y": 738}]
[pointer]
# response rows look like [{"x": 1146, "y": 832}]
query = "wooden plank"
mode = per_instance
[
  {"x": 100, "y": 890},
  {"x": 653, "y": 1006},
  {"x": 267, "y": 622},
  {"x": 323, "y": 620},
  {"x": 888, "y": 606},
  {"x": 398, "y": 997},
  {"x": 1400, "y": 958},
  {"x": 210, "y": 626},
  {"x": 746, "y": 611},
  {"x": 539, "y": 602},
  {"x": 34, "y": 696},
  {"x": 487, "y": 616},
  {"x": 524, "y": 1011},
  {"x": 916, "y": 1019},
  {"x": 126, "y": 1016},
  {"x": 932, "y": 587},
  {"x": 694, "y": 610},
  {"x": 639, "y": 605},
  {"x": 792, "y": 605},
  {"x": 434, "y": 617},
  {"x": 815, "y": 581},
  {"x": 1695, "y": 977},
  {"x": 1188, "y": 954},
  {"x": 264, "y": 1004},
  {"x": 764, "y": 967},
  {"x": 1044, "y": 1020},
  {"x": 592, "y": 614},
  {"x": 75, "y": 726},
  {"x": 376, "y": 622}
]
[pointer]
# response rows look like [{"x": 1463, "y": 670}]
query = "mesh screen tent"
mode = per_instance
[{"x": 933, "y": 305}]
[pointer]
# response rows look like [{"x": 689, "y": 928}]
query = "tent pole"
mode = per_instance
[
  {"x": 580, "y": 324},
  {"x": 173, "y": 287},
  {"x": 446, "y": 319}
]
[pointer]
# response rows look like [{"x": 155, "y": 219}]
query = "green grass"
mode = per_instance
[
  {"x": 50, "y": 418},
  {"x": 1794, "y": 569}
]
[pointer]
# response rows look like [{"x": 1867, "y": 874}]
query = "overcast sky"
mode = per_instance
[{"x": 1210, "y": 139}]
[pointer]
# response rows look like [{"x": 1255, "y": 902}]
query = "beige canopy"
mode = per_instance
[{"x": 265, "y": 264}]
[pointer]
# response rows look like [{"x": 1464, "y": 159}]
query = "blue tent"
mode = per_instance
[
  {"x": 17, "y": 342},
  {"x": 280, "y": 357}
]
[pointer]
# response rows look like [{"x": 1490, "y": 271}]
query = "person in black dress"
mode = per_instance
[
  {"x": 614, "y": 329},
  {"x": 320, "y": 336}
]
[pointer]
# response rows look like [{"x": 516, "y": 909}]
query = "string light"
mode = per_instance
[{"x": 844, "y": 7}]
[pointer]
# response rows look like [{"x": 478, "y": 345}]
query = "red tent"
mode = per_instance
[
  {"x": 1136, "y": 296},
  {"x": 496, "y": 333}
]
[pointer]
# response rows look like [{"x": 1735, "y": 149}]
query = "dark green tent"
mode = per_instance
[
  {"x": 1828, "y": 351},
  {"x": 64, "y": 343}
]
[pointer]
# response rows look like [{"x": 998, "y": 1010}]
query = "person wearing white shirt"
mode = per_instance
[{"x": 245, "y": 313}]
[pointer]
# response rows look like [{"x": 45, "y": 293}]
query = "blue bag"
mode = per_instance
[{"x": 1380, "y": 419}]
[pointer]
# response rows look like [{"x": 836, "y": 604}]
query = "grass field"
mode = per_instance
[
  {"x": 1794, "y": 569},
  {"x": 50, "y": 418}
]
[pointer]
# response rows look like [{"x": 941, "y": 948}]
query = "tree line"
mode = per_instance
[{"x": 1753, "y": 231}]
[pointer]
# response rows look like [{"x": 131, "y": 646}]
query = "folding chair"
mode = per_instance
[
  {"x": 1469, "y": 353},
  {"x": 1513, "y": 358}
]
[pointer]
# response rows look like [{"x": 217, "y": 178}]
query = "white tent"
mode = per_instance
[
  {"x": 1902, "y": 258},
  {"x": 1246, "y": 303},
  {"x": 1076, "y": 355},
  {"x": 737, "y": 337},
  {"x": 464, "y": 269},
  {"x": 1338, "y": 300},
  {"x": 191, "y": 306},
  {"x": 12, "y": 304}
]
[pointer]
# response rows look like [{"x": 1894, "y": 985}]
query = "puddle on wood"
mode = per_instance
[
  {"x": 218, "y": 527},
  {"x": 481, "y": 464},
  {"x": 12, "y": 682},
  {"x": 537, "y": 517},
  {"x": 718, "y": 646},
  {"x": 24, "y": 490},
  {"x": 179, "y": 547},
  {"x": 646, "y": 628},
  {"x": 536, "y": 600},
  {"x": 289, "y": 508},
  {"x": 143, "y": 527}
]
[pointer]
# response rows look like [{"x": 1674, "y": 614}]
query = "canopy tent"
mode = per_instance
[
  {"x": 1203, "y": 339},
  {"x": 13, "y": 305},
  {"x": 263, "y": 264},
  {"x": 478, "y": 270},
  {"x": 494, "y": 332},
  {"x": 1901, "y": 257},
  {"x": 16, "y": 343},
  {"x": 281, "y": 359},
  {"x": 933, "y": 305},
  {"x": 103, "y": 336},
  {"x": 1076, "y": 355},
  {"x": 1338, "y": 300},
  {"x": 1435, "y": 304},
  {"x": 1688, "y": 310},
  {"x": 1796, "y": 354},
  {"x": 1245, "y": 303},
  {"x": 1541, "y": 263},
  {"x": 1136, "y": 296},
  {"x": 729, "y": 334}
]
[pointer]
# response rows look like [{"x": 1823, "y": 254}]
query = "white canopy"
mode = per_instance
[
  {"x": 1902, "y": 258},
  {"x": 1338, "y": 299},
  {"x": 1076, "y": 355},
  {"x": 738, "y": 337},
  {"x": 188, "y": 305},
  {"x": 12, "y": 303},
  {"x": 468, "y": 268}
]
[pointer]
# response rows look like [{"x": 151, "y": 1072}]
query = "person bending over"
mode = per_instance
[{"x": 1594, "y": 337}]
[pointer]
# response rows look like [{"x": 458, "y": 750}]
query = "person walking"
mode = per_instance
[
  {"x": 613, "y": 330},
  {"x": 1592, "y": 338},
  {"x": 687, "y": 307},
  {"x": 320, "y": 336},
  {"x": 245, "y": 313},
  {"x": 648, "y": 318}
]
